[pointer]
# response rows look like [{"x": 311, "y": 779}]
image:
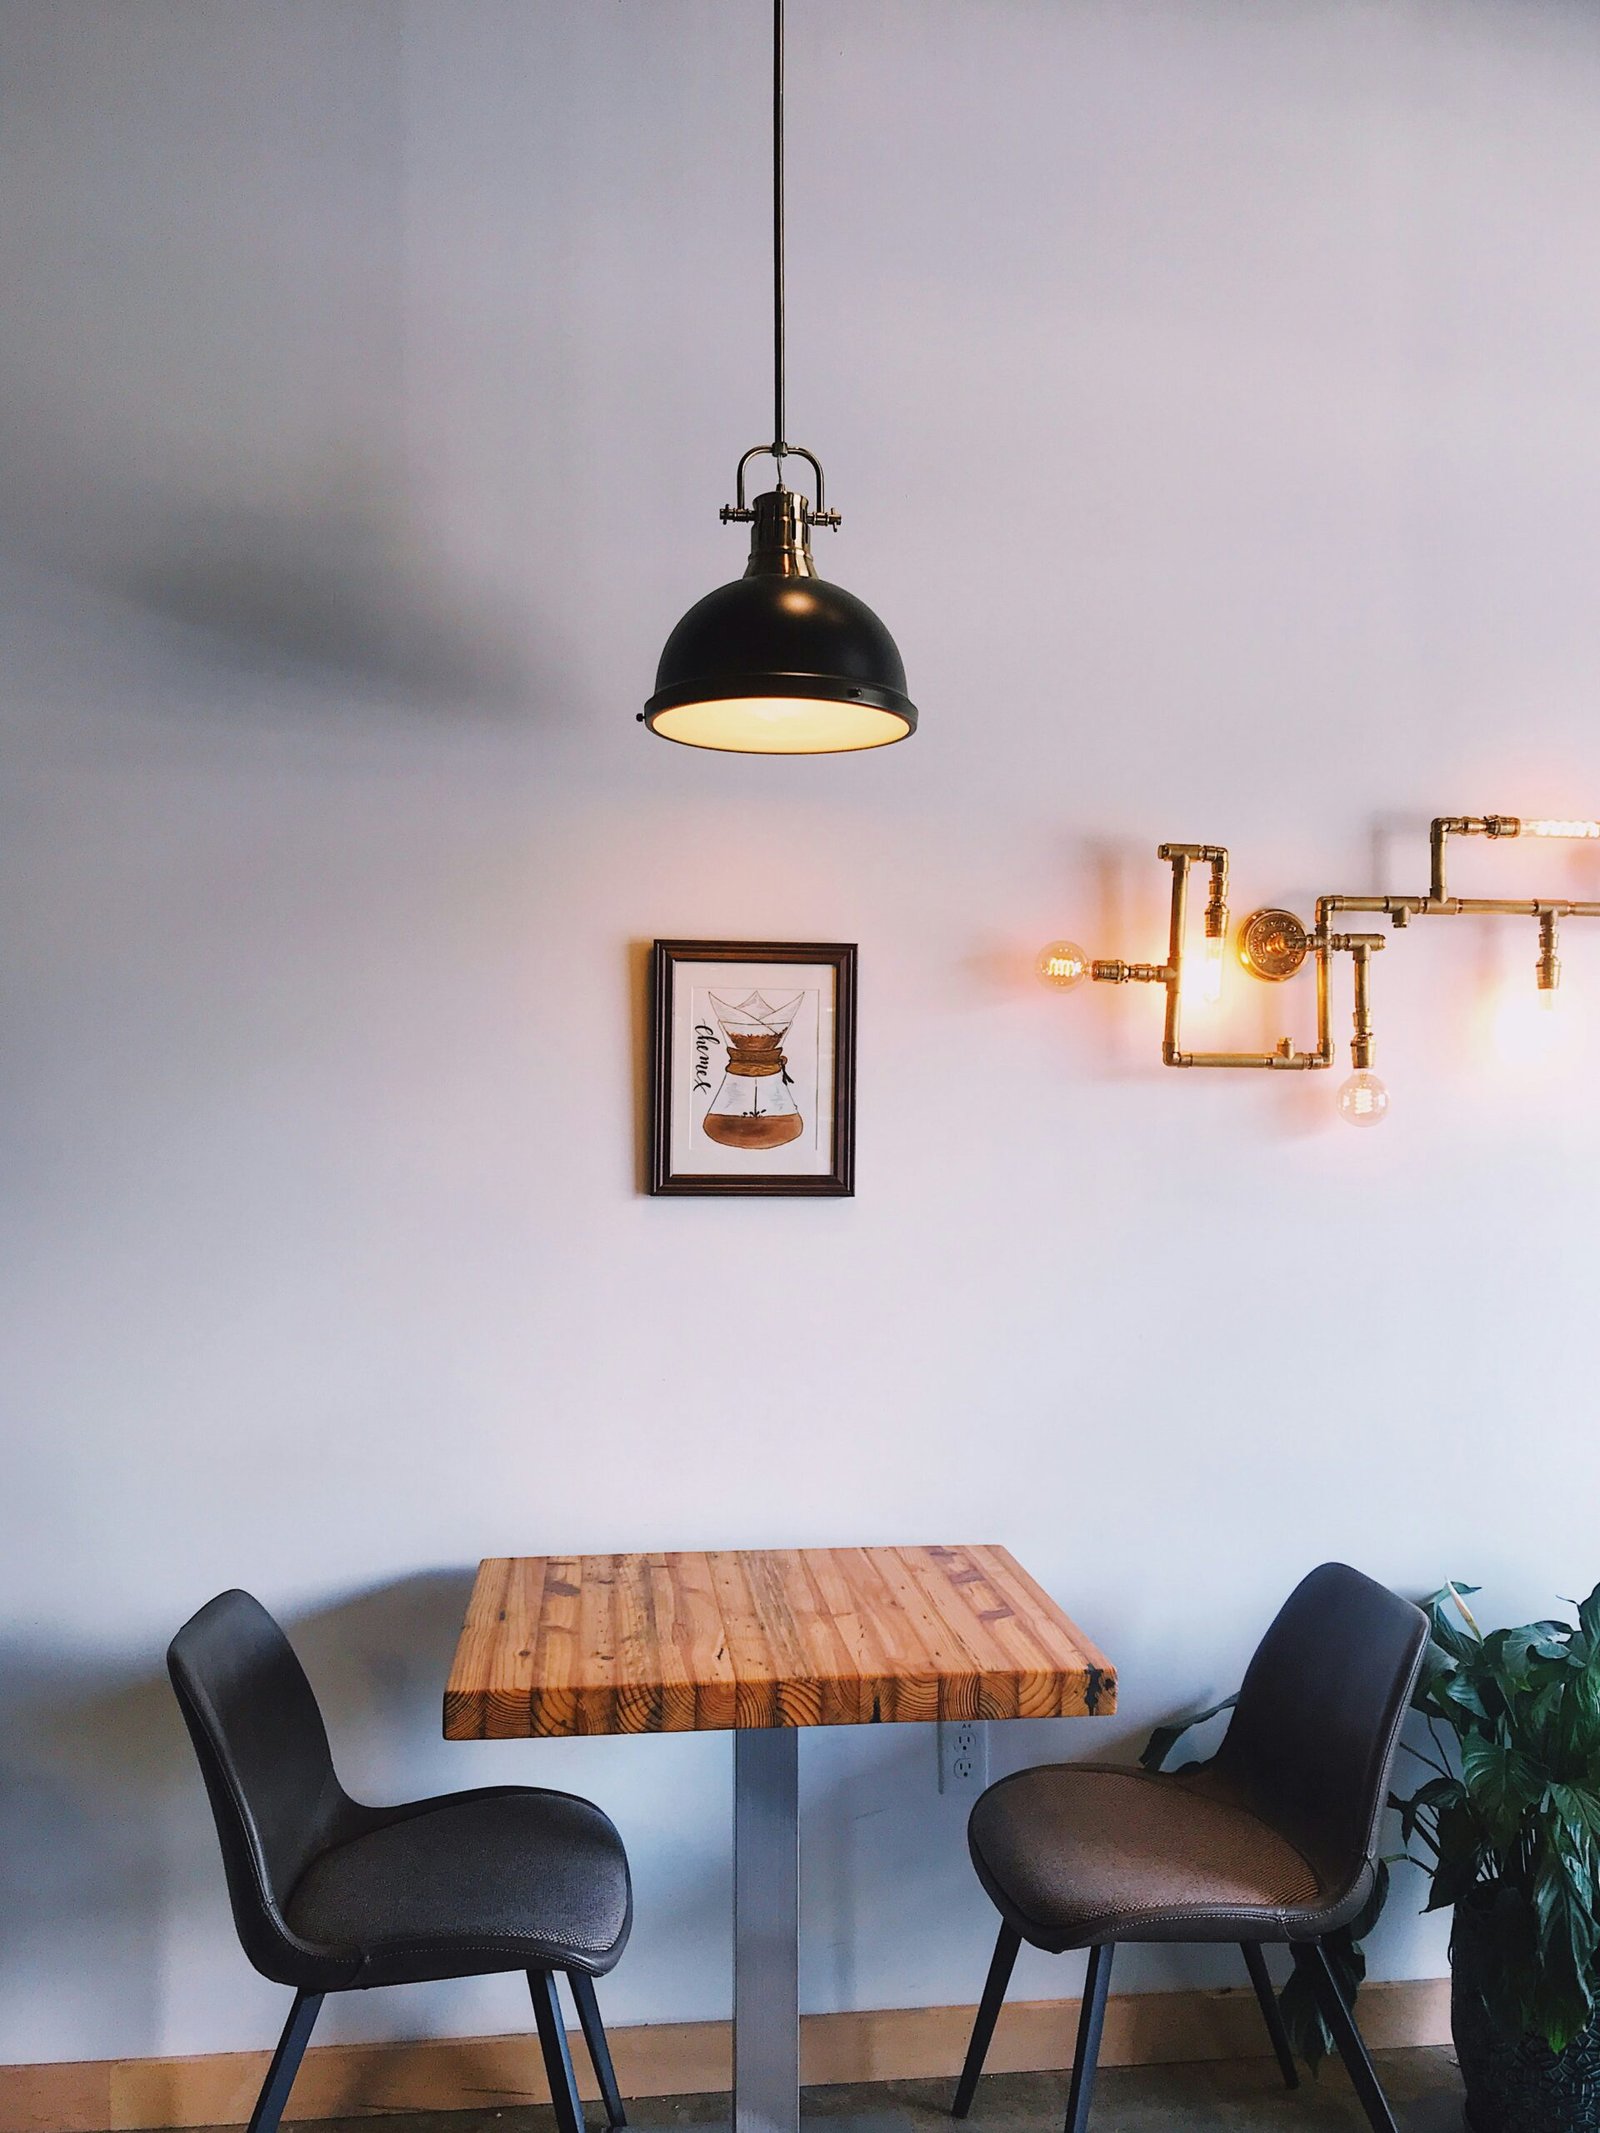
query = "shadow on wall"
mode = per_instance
[
  {"x": 332, "y": 590},
  {"x": 325, "y": 583},
  {"x": 105, "y": 1833}
]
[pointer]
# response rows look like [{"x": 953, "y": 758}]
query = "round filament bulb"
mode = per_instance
[
  {"x": 1061, "y": 964},
  {"x": 1363, "y": 1100}
]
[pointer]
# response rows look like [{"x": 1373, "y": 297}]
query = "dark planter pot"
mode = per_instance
[{"x": 1514, "y": 2084}]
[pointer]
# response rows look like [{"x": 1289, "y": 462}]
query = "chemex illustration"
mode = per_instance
[{"x": 754, "y": 1107}]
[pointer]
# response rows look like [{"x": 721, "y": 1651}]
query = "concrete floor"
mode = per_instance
[{"x": 1211, "y": 2097}]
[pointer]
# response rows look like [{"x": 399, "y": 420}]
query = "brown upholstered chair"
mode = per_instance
[
  {"x": 333, "y": 1896},
  {"x": 1274, "y": 1840}
]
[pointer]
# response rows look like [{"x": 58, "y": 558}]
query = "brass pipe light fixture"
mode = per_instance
[
  {"x": 1273, "y": 945},
  {"x": 780, "y": 662}
]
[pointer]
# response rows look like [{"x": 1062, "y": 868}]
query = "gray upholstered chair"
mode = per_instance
[
  {"x": 330, "y": 1896},
  {"x": 1274, "y": 1840}
]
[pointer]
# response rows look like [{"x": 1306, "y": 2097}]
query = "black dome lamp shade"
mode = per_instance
[{"x": 780, "y": 662}]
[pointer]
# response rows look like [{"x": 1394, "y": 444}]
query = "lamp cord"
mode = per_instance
[{"x": 779, "y": 446}]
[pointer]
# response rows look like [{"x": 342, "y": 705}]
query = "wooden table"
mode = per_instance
[{"x": 761, "y": 1642}]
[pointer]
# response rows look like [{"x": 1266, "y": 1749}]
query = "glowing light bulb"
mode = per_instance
[
  {"x": 1061, "y": 964},
  {"x": 1363, "y": 1100},
  {"x": 1549, "y": 998},
  {"x": 1209, "y": 984},
  {"x": 1561, "y": 829}
]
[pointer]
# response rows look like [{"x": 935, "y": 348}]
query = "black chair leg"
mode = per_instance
[
  {"x": 594, "y": 2035},
  {"x": 1090, "y": 2023},
  {"x": 994, "y": 1991},
  {"x": 1337, "y": 2015},
  {"x": 285, "y": 2062},
  {"x": 1256, "y": 1963},
  {"x": 557, "y": 2059}
]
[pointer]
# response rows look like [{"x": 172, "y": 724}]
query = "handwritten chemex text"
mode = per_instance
[{"x": 704, "y": 1039}]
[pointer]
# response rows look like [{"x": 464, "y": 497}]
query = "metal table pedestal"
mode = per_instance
[{"x": 766, "y": 1931}]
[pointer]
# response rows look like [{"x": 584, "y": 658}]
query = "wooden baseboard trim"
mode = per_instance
[{"x": 668, "y": 2059}]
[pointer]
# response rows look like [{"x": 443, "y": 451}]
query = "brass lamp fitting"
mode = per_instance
[
  {"x": 1360, "y": 947},
  {"x": 1215, "y": 856},
  {"x": 1447, "y": 826},
  {"x": 1548, "y": 967},
  {"x": 1274, "y": 944},
  {"x": 1217, "y": 907}
]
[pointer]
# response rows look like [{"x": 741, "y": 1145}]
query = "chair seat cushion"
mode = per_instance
[
  {"x": 505, "y": 1879},
  {"x": 1079, "y": 1853}
]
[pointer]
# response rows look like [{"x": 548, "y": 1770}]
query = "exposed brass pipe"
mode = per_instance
[
  {"x": 1399, "y": 908},
  {"x": 1323, "y": 943},
  {"x": 1283, "y": 1058},
  {"x": 1180, "y": 857},
  {"x": 1361, "y": 947},
  {"x": 1444, "y": 827}
]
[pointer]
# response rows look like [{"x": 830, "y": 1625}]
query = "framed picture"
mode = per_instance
[{"x": 754, "y": 1080}]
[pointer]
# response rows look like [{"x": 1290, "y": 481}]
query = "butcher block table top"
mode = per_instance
[{"x": 764, "y": 1637}]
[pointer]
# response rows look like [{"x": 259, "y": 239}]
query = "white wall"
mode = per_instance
[{"x": 1210, "y": 393}]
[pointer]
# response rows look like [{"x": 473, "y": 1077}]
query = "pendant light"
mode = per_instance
[{"x": 780, "y": 662}]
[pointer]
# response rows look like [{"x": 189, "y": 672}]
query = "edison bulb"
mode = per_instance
[
  {"x": 1363, "y": 1100},
  {"x": 1061, "y": 965},
  {"x": 1209, "y": 985}
]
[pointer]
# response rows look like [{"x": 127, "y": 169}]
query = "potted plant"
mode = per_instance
[
  {"x": 1511, "y": 1828},
  {"x": 1508, "y": 1818}
]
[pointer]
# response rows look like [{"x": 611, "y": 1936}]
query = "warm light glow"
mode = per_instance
[
  {"x": 1561, "y": 829},
  {"x": 1062, "y": 964},
  {"x": 1208, "y": 986},
  {"x": 1363, "y": 1100},
  {"x": 1549, "y": 998},
  {"x": 1526, "y": 1030},
  {"x": 780, "y": 725}
]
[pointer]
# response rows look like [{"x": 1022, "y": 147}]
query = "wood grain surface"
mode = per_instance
[{"x": 764, "y": 1637}]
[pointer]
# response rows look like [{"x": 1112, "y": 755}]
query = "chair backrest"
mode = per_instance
[
  {"x": 1318, "y": 1720},
  {"x": 264, "y": 1755}
]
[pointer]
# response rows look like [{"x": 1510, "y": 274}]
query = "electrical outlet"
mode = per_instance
[{"x": 963, "y": 1755}]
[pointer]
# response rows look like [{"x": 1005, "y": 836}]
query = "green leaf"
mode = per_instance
[
  {"x": 1589, "y": 1618},
  {"x": 1459, "y": 1692},
  {"x": 1445, "y": 1629},
  {"x": 1437, "y": 1793},
  {"x": 1501, "y": 1783},
  {"x": 1581, "y": 1712},
  {"x": 1309, "y": 2039},
  {"x": 1436, "y": 1661},
  {"x": 1462, "y": 1858},
  {"x": 1535, "y": 1640},
  {"x": 1562, "y": 1996},
  {"x": 1165, "y": 1738},
  {"x": 1308, "y": 2034},
  {"x": 1579, "y": 1809},
  {"x": 1454, "y": 1877}
]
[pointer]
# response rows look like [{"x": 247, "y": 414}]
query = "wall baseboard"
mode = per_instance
[{"x": 668, "y": 2059}]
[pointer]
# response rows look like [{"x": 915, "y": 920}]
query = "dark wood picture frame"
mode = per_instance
[{"x": 839, "y": 1180}]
